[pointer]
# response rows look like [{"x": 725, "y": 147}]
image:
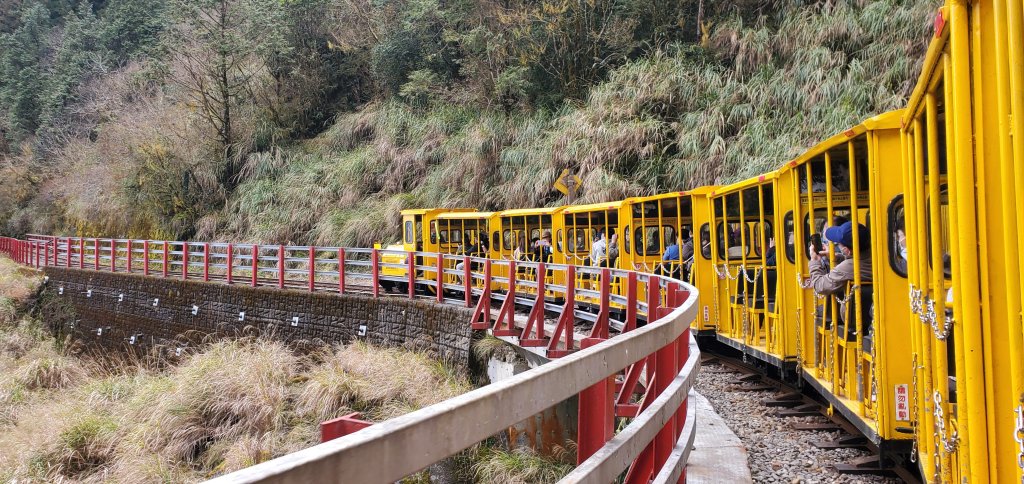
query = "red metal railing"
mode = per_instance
[{"x": 649, "y": 386}]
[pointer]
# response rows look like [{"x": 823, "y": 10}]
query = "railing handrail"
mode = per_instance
[{"x": 409, "y": 443}]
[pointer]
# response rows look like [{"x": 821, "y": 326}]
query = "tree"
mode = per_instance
[
  {"x": 21, "y": 76},
  {"x": 221, "y": 49}
]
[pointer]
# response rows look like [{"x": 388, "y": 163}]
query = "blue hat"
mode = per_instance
[{"x": 843, "y": 234}]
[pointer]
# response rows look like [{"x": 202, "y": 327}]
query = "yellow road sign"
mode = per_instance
[{"x": 568, "y": 183}]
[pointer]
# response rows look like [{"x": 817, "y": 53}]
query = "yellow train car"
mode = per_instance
[
  {"x": 531, "y": 235},
  {"x": 850, "y": 337},
  {"x": 650, "y": 226},
  {"x": 963, "y": 175},
  {"x": 419, "y": 234},
  {"x": 464, "y": 234},
  {"x": 702, "y": 269},
  {"x": 743, "y": 255}
]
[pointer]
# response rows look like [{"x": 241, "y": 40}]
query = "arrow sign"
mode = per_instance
[{"x": 568, "y": 183}]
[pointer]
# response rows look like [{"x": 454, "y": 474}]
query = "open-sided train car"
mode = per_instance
[{"x": 963, "y": 178}]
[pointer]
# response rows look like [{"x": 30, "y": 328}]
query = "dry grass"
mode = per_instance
[
  {"x": 520, "y": 466},
  {"x": 230, "y": 405}
]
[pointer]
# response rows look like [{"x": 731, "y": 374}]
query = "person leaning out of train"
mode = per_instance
[{"x": 835, "y": 281}]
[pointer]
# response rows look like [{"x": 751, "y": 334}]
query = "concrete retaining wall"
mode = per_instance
[{"x": 123, "y": 309}]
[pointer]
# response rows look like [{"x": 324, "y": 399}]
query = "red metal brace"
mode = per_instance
[
  {"x": 342, "y": 426},
  {"x": 482, "y": 313},
  {"x": 566, "y": 320},
  {"x": 505, "y": 324},
  {"x": 601, "y": 330},
  {"x": 536, "y": 317}
]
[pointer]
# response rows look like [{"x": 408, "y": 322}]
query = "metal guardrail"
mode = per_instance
[{"x": 623, "y": 369}]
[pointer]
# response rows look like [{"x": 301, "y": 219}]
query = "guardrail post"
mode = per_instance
[
  {"x": 184, "y": 261},
  {"x": 312, "y": 268},
  {"x": 341, "y": 270},
  {"x": 375, "y": 272},
  {"x": 601, "y": 329},
  {"x": 145, "y": 257},
  {"x": 566, "y": 320},
  {"x": 166, "y": 256},
  {"x": 46, "y": 253},
  {"x": 505, "y": 324},
  {"x": 280, "y": 267},
  {"x": 440, "y": 277},
  {"x": 596, "y": 414},
  {"x": 536, "y": 317},
  {"x": 35, "y": 254},
  {"x": 255, "y": 263},
  {"x": 467, "y": 278},
  {"x": 129, "y": 256},
  {"x": 230, "y": 263},
  {"x": 483, "y": 305},
  {"x": 113, "y": 255},
  {"x": 631, "y": 302},
  {"x": 81, "y": 252},
  {"x": 411, "y": 274},
  {"x": 69, "y": 253},
  {"x": 206, "y": 261}
]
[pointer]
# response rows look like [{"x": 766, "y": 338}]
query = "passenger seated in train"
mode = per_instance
[
  {"x": 735, "y": 245},
  {"x": 542, "y": 248},
  {"x": 671, "y": 260},
  {"x": 599, "y": 249},
  {"x": 838, "y": 280}
]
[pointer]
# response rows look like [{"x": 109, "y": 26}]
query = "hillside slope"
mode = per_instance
[{"x": 762, "y": 81}]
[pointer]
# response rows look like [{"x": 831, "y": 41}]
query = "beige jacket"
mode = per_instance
[{"x": 835, "y": 282}]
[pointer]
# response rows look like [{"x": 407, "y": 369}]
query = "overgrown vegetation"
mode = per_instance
[
  {"x": 66, "y": 416},
  {"x": 318, "y": 120}
]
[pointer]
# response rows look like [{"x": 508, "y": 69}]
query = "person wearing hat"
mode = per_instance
[{"x": 834, "y": 281}]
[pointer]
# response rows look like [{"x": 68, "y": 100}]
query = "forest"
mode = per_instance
[{"x": 317, "y": 121}]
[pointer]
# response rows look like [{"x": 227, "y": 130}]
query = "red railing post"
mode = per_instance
[
  {"x": 440, "y": 277},
  {"x": 184, "y": 261},
  {"x": 166, "y": 257},
  {"x": 467, "y": 278},
  {"x": 81, "y": 253},
  {"x": 375, "y": 272},
  {"x": 206, "y": 261},
  {"x": 411, "y": 274},
  {"x": 312, "y": 268},
  {"x": 69, "y": 253},
  {"x": 129, "y": 256},
  {"x": 113, "y": 255},
  {"x": 46, "y": 253},
  {"x": 631, "y": 302},
  {"x": 341, "y": 270},
  {"x": 230, "y": 263},
  {"x": 145, "y": 257},
  {"x": 596, "y": 414},
  {"x": 35, "y": 254},
  {"x": 505, "y": 323},
  {"x": 280, "y": 267},
  {"x": 255, "y": 263}
]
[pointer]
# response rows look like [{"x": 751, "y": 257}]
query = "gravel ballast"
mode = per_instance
[{"x": 777, "y": 452}]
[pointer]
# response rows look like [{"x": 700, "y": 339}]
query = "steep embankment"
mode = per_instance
[{"x": 473, "y": 107}]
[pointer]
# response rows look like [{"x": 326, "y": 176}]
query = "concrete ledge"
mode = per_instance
[{"x": 718, "y": 455}]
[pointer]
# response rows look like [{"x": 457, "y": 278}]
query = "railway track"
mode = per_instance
[{"x": 784, "y": 400}]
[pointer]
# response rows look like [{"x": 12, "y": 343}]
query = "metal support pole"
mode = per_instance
[
  {"x": 230, "y": 263},
  {"x": 184, "y": 261},
  {"x": 113, "y": 255},
  {"x": 165, "y": 258},
  {"x": 440, "y": 277},
  {"x": 145, "y": 257},
  {"x": 341, "y": 270},
  {"x": 375, "y": 272},
  {"x": 129, "y": 256},
  {"x": 412, "y": 274},
  {"x": 96, "y": 253},
  {"x": 255, "y": 263},
  {"x": 280, "y": 267},
  {"x": 206, "y": 261},
  {"x": 312, "y": 268}
]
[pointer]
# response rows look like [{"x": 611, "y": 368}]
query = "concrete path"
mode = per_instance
[{"x": 718, "y": 456}]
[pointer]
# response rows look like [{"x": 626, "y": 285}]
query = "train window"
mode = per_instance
[
  {"x": 705, "y": 241},
  {"x": 507, "y": 237},
  {"x": 419, "y": 234},
  {"x": 408, "y": 231},
  {"x": 788, "y": 227},
  {"x": 648, "y": 240},
  {"x": 495, "y": 240},
  {"x": 558, "y": 242},
  {"x": 897, "y": 236},
  {"x": 625, "y": 240},
  {"x": 735, "y": 241},
  {"x": 755, "y": 236},
  {"x": 579, "y": 240}
]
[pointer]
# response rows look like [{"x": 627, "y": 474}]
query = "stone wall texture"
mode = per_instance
[{"x": 117, "y": 309}]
